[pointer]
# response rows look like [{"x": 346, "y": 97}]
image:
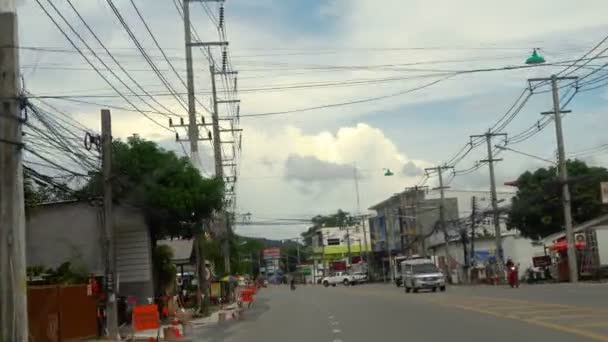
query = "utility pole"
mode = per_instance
[
  {"x": 362, "y": 218},
  {"x": 563, "y": 171},
  {"x": 473, "y": 225},
  {"x": 348, "y": 244},
  {"x": 414, "y": 216},
  {"x": 439, "y": 170},
  {"x": 389, "y": 237},
  {"x": 219, "y": 170},
  {"x": 495, "y": 214},
  {"x": 108, "y": 222},
  {"x": 13, "y": 289}
]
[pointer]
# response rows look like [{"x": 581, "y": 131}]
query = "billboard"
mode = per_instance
[{"x": 271, "y": 253}]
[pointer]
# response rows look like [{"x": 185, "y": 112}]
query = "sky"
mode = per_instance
[{"x": 390, "y": 58}]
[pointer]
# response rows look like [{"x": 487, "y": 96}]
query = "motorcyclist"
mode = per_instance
[
  {"x": 510, "y": 264},
  {"x": 293, "y": 283}
]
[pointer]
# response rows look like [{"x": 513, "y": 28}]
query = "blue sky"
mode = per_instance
[{"x": 337, "y": 42}]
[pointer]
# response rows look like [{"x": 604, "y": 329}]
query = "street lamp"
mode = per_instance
[
  {"x": 535, "y": 58},
  {"x": 504, "y": 148}
]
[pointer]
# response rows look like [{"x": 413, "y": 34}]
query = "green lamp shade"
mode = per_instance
[
  {"x": 535, "y": 58},
  {"x": 388, "y": 172}
]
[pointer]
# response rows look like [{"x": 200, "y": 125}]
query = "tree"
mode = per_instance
[
  {"x": 339, "y": 219},
  {"x": 173, "y": 195},
  {"x": 537, "y": 210}
]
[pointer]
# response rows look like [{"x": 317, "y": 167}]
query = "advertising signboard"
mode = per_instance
[{"x": 271, "y": 253}]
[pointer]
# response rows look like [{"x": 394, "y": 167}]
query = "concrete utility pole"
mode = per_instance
[
  {"x": 473, "y": 224},
  {"x": 414, "y": 217},
  {"x": 495, "y": 215},
  {"x": 13, "y": 289},
  {"x": 439, "y": 170},
  {"x": 192, "y": 126},
  {"x": 108, "y": 223},
  {"x": 563, "y": 171},
  {"x": 389, "y": 238}
]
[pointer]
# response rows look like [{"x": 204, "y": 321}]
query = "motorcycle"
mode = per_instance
[{"x": 513, "y": 276}]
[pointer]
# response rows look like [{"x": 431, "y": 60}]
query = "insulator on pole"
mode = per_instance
[
  {"x": 176, "y": 136},
  {"x": 224, "y": 59},
  {"x": 235, "y": 85},
  {"x": 170, "y": 122},
  {"x": 181, "y": 121},
  {"x": 203, "y": 119},
  {"x": 221, "y": 24}
]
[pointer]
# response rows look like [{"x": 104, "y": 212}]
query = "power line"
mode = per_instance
[
  {"x": 119, "y": 64},
  {"x": 87, "y": 59}
]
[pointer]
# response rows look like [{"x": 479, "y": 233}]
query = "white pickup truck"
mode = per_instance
[{"x": 344, "y": 278}]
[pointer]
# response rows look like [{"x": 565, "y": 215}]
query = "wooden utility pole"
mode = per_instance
[
  {"x": 108, "y": 223},
  {"x": 13, "y": 289}
]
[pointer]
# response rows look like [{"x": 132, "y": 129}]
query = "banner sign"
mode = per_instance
[{"x": 271, "y": 253}]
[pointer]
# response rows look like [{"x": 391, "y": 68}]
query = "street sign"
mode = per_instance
[{"x": 604, "y": 187}]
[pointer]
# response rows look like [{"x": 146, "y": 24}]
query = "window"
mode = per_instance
[{"x": 333, "y": 242}]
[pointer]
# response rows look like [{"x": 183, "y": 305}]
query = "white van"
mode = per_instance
[{"x": 421, "y": 274}]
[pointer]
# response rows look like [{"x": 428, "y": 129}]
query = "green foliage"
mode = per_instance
[
  {"x": 36, "y": 193},
  {"x": 66, "y": 273},
  {"x": 165, "y": 270},
  {"x": 174, "y": 196},
  {"x": 537, "y": 209},
  {"x": 339, "y": 219}
]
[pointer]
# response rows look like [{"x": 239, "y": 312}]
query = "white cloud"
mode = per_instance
[{"x": 284, "y": 56}]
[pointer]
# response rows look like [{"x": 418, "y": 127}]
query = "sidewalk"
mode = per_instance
[{"x": 228, "y": 313}]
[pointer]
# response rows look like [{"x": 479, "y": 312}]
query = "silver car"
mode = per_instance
[{"x": 422, "y": 274}]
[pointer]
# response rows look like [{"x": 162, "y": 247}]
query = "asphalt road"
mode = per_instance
[{"x": 377, "y": 312}]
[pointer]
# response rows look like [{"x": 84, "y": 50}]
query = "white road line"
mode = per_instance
[
  {"x": 337, "y": 331},
  {"x": 337, "y": 340}
]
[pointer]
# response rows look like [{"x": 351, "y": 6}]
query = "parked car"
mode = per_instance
[
  {"x": 422, "y": 274},
  {"x": 344, "y": 278}
]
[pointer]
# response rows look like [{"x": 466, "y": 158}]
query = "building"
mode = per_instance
[
  {"x": 406, "y": 224},
  {"x": 592, "y": 246},
  {"x": 72, "y": 231},
  {"x": 332, "y": 246},
  {"x": 473, "y": 252}
]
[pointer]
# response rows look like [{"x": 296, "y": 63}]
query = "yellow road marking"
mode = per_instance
[
  {"x": 592, "y": 324},
  {"x": 558, "y": 327},
  {"x": 567, "y": 316}
]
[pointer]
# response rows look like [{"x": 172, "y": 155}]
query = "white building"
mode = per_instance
[{"x": 520, "y": 249}]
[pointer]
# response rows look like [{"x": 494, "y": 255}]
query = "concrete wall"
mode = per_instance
[
  {"x": 72, "y": 231},
  {"x": 57, "y": 233},
  {"x": 602, "y": 244}
]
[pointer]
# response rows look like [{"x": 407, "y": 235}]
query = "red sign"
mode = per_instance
[
  {"x": 145, "y": 317},
  {"x": 271, "y": 253},
  {"x": 541, "y": 261}
]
